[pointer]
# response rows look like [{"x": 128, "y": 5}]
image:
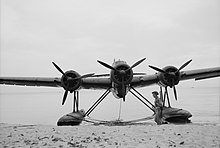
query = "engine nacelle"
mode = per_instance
[
  {"x": 116, "y": 76},
  {"x": 170, "y": 78},
  {"x": 69, "y": 83}
]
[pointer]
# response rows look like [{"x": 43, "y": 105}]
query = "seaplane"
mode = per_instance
[{"x": 120, "y": 81}]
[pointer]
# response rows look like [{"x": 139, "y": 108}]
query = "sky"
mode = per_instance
[{"x": 75, "y": 34}]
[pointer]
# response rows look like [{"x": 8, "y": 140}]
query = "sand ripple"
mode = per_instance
[{"x": 140, "y": 135}]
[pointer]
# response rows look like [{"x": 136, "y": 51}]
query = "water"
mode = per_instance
[{"x": 31, "y": 105}]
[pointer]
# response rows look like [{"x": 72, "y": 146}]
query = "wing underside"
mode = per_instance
[
  {"x": 200, "y": 74},
  {"x": 31, "y": 81},
  {"x": 105, "y": 82},
  {"x": 87, "y": 83}
]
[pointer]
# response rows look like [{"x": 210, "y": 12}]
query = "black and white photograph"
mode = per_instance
[{"x": 110, "y": 73}]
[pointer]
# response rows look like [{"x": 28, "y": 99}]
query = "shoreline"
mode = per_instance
[{"x": 89, "y": 135}]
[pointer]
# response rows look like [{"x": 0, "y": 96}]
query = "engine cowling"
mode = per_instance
[
  {"x": 171, "y": 76},
  {"x": 123, "y": 75},
  {"x": 69, "y": 82}
]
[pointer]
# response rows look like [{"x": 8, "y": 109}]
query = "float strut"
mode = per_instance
[
  {"x": 168, "y": 100},
  {"x": 143, "y": 98},
  {"x": 76, "y": 101},
  {"x": 97, "y": 102},
  {"x": 163, "y": 96}
]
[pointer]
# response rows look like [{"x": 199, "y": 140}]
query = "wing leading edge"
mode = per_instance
[
  {"x": 31, "y": 81},
  {"x": 87, "y": 83},
  {"x": 105, "y": 83},
  {"x": 198, "y": 74}
]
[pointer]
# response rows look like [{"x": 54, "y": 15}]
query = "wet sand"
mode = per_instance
[{"x": 89, "y": 135}]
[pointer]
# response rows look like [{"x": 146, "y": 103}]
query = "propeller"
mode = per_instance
[
  {"x": 122, "y": 73},
  {"x": 58, "y": 68},
  {"x": 108, "y": 66},
  {"x": 158, "y": 69},
  {"x": 172, "y": 75},
  {"x": 136, "y": 64},
  {"x": 84, "y": 76},
  {"x": 69, "y": 80},
  {"x": 64, "y": 97},
  {"x": 184, "y": 65},
  {"x": 174, "y": 89}
]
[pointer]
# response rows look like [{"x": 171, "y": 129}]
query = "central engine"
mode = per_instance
[
  {"x": 123, "y": 75},
  {"x": 70, "y": 81},
  {"x": 171, "y": 76}
]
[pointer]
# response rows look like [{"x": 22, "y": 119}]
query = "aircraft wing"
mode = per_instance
[
  {"x": 198, "y": 74},
  {"x": 31, "y": 81},
  {"x": 87, "y": 83},
  {"x": 105, "y": 82}
]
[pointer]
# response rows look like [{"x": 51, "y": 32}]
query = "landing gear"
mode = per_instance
[
  {"x": 97, "y": 102},
  {"x": 71, "y": 119},
  {"x": 141, "y": 98},
  {"x": 164, "y": 96},
  {"x": 74, "y": 118},
  {"x": 77, "y": 116},
  {"x": 171, "y": 115},
  {"x": 76, "y": 101}
]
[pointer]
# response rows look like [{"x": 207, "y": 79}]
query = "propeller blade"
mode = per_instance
[
  {"x": 124, "y": 98},
  {"x": 87, "y": 75},
  {"x": 157, "y": 69},
  {"x": 139, "y": 73},
  {"x": 184, "y": 65},
  {"x": 106, "y": 65},
  {"x": 84, "y": 76},
  {"x": 58, "y": 68},
  {"x": 65, "y": 96},
  {"x": 175, "y": 93},
  {"x": 161, "y": 93},
  {"x": 137, "y": 63},
  {"x": 101, "y": 75}
]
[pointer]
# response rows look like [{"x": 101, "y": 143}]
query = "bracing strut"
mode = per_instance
[
  {"x": 98, "y": 102},
  {"x": 75, "y": 101},
  {"x": 166, "y": 95},
  {"x": 142, "y": 98}
]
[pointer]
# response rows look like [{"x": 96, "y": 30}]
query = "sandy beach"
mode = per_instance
[{"x": 89, "y": 135}]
